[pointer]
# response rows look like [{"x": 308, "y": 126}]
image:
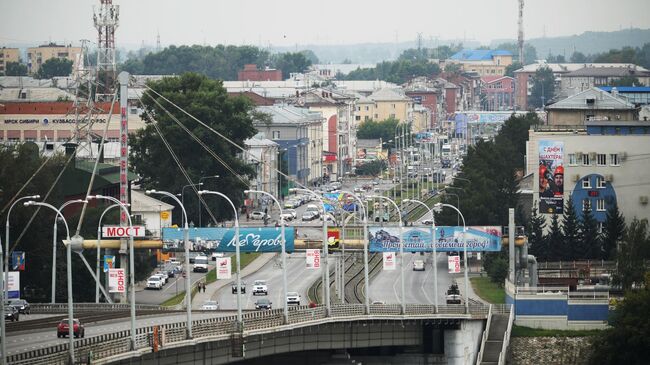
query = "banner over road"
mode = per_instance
[
  {"x": 479, "y": 238},
  {"x": 266, "y": 239}
]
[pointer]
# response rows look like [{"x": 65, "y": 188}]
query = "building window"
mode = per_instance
[
  {"x": 357, "y": 117},
  {"x": 366, "y": 118},
  {"x": 586, "y": 184},
  {"x": 602, "y": 159},
  {"x": 358, "y": 108},
  {"x": 376, "y": 116},
  {"x": 276, "y": 134},
  {"x": 600, "y": 205},
  {"x": 613, "y": 159},
  {"x": 585, "y": 159},
  {"x": 367, "y": 108},
  {"x": 392, "y": 106},
  {"x": 572, "y": 159},
  {"x": 600, "y": 182},
  {"x": 586, "y": 205},
  {"x": 392, "y": 116}
]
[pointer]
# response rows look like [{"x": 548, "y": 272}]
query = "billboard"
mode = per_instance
[
  {"x": 453, "y": 263},
  {"x": 18, "y": 260},
  {"x": 312, "y": 259},
  {"x": 116, "y": 281},
  {"x": 261, "y": 239},
  {"x": 109, "y": 262},
  {"x": 13, "y": 285},
  {"x": 224, "y": 268},
  {"x": 122, "y": 232},
  {"x": 551, "y": 177},
  {"x": 389, "y": 261},
  {"x": 448, "y": 239}
]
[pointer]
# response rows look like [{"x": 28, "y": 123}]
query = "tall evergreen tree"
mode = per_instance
[
  {"x": 613, "y": 231},
  {"x": 590, "y": 242},
  {"x": 633, "y": 251},
  {"x": 536, "y": 239},
  {"x": 571, "y": 232},
  {"x": 555, "y": 239}
]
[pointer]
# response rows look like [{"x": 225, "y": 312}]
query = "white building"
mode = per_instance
[
  {"x": 151, "y": 212},
  {"x": 263, "y": 154}
]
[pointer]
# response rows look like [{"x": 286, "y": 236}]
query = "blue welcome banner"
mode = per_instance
[
  {"x": 263, "y": 239},
  {"x": 387, "y": 239}
]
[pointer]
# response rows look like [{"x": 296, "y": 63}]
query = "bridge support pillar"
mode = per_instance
[{"x": 462, "y": 345}]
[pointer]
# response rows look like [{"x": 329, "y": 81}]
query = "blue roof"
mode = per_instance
[
  {"x": 479, "y": 54},
  {"x": 626, "y": 89}
]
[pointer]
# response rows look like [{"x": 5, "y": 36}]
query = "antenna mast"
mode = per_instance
[
  {"x": 106, "y": 20},
  {"x": 521, "y": 32}
]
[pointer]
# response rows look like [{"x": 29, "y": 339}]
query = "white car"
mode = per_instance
[
  {"x": 287, "y": 216},
  {"x": 164, "y": 275},
  {"x": 200, "y": 264},
  {"x": 155, "y": 282},
  {"x": 257, "y": 215},
  {"x": 293, "y": 298},
  {"x": 427, "y": 222},
  {"x": 210, "y": 305},
  {"x": 216, "y": 255},
  {"x": 259, "y": 287},
  {"x": 418, "y": 265},
  {"x": 293, "y": 213}
]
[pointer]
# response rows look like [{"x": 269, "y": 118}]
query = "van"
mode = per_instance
[{"x": 200, "y": 264}]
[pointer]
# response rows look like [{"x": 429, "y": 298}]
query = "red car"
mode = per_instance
[{"x": 63, "y": 329}]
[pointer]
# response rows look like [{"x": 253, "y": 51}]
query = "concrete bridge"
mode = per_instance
[{"x": 446, "y": 334}]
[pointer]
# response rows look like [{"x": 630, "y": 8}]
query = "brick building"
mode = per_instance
[{"x": 251, "y": 73}]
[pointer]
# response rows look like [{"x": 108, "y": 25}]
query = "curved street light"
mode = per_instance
[
  {"x": 401, "y": 246},
  {"x": 131, "y": 259},
  {"x": 438, "y": 207},
  {"x": 201, "y": 205},
  {"x": 99, "y": 235},
  {"x": 237, "y": 252},
  {"x": 183, "y": 196},
  {"x": 69, "y": 273},
  {"x": 54, "y": 237},
  {"x": 435, "y": 252},
  {"x": 188, "y": 280},
  {"x": 284, "y": 250}
]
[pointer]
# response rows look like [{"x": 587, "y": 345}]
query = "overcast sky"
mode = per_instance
[{"x": 291, "y": 22}]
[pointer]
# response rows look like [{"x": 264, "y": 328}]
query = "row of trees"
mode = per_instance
[
  {"x": 636, "y": 55},
  {"x": 50, "y": 68},
  {"x": 218, "y": 62}
]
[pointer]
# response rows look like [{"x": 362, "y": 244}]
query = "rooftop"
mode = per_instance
[
  {"x": 287, "y": 114},
  {"x": 608, "y": 72},
  {"x": 570, "y": 67},
  {"x": 626, "y": 89},
  {"x": 479, "y": 54},
  {"x": 389, "y": 94},
  {"x": 594, "y": 99}
]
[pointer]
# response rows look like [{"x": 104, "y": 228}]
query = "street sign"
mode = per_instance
[
  {"x": 389, "y": 260},
  {"x": 224, "y": 268},
  {"x": 313, "y": 258},
  {"x": 18, "y": 260},
  {"x": 454, "y": 264},
  {"x": 109, "y": 262},
  {"x": 122, "y": 232},
  {"x": 116, "y": 281},
  {"x": 164, "y": 215},
  {"x": 13, "y": 285}
]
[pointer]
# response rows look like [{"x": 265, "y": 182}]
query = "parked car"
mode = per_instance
[
  {"x": 293, "y": 298},
  {"x": 210, "y": 305},
  {"x": 418, "y": 265},
  {"x": 21, "y": 305},
  {"x": 155, "y": 282},
  {"x": 309, "y": 216},
  {"x": 263, "y": 303},
  {"x": 242, "y": 287},
  {"x": 257, "y": 215},
  {"x": 259, "y": 287},
  {"x": 292, "y": 212},
  {"x": 286, "y": 216},
  {"x": 63, "y": 328},
  {"x": 11, "y": 314}
]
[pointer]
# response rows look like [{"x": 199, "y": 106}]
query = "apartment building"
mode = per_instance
[
  {"x": 8, "y": 55},
  {"x": 36, "y": 56}
]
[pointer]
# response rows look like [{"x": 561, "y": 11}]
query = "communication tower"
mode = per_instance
[{"x": 106, "y": 20}]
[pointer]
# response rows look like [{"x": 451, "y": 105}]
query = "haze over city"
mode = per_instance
[{"x": 291, "y": 22}]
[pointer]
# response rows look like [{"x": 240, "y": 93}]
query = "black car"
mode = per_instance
[
  {"x": 11, "y": 314},
  {"x": 263, "y": 303},
  {"x": 21, "y": 305},
  {"x": 234, "y": 287}
]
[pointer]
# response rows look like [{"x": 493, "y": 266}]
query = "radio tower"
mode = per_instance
[
  {"x": 106, "y": 20},
  {"x": 521, "y": 32}
]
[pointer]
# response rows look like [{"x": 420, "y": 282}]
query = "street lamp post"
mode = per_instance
[
  {"x": 435, "y": 252},
  {"x": 200, "y": 205},
  {"x": 284, "y": 250},
  {"x": 183, "y": 196},
  {"x": 188, "y": 281},
  {"x": 457, "y": 204},
  {"x": 438, "y": 207},
  {"x": 131, "y": 260},
  {"x": 99, "y": 235},
  {"x": 401, "y": 246},
  {"x": 326, "y": 274},
  {"x": 365, "y": 248},
  {"x": 69, "y": 273},
  {"x": 54, "y": 236},
  {"x": 237, "y": 252}
]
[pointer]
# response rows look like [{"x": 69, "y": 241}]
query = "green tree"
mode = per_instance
[
  {"x": 589, "y": 247},
  {"x": 628, "y": 339},
  {"x": 555, "y": 238},
  {"x": 453, "y": 68},
  {"x": 623, "y": 55},
  {"x": 291, "y": 63},
  {"x": 54, "y": 67},
  {"x": 543, "y": 87},
  {"x": 570, "y": 232},
  {"x": 16, "y": 69},
  {"x": 496, "y": 266},
  {"x": 510, "y": 69},
  {"x": 578, "y": 57},
  {"x": 372, "y": 168},
  {"x": 626, "y": 81},
  {"x": 208, "y": 101},
  {"x": 536, "y": 238},
  {"x": 310, "y": 56},
  {"x": 384, "y": 130},
  {"x": 631, "y": 255},
  {"x": 613, "y": 231}
]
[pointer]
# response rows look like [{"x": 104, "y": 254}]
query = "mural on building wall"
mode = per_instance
[{"x": 551, "y": 177}]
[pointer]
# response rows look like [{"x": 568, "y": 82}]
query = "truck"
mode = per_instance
[{"x": 200, "y": 264}]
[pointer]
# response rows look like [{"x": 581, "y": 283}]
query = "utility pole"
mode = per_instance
[{"x": 520, "y": 40}]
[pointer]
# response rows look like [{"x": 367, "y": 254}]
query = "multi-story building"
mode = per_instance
[
  {"x": 251, "y": 73},
  {"x": 263, "y": 154},
  {"x": 497, "y": 93},
  {"x": 598, "y": 164},
  {"x": 8, "y": 55},
  {"x": 637, "y": 95},
  {"x": 298, "y": 133},
  {"x": 593, "y": 76},
  {"x": 36, "y": 56},
  {"x": 483, "y": 62},
  {"x": 591, "y": 104}
]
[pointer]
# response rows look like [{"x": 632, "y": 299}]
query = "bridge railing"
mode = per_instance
[
  {"x": 486, "y": 333},
  {"x": 118, "y": 343},
  {"x": 506, "y": 339},
  {"x": 90, "y": 307}
]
